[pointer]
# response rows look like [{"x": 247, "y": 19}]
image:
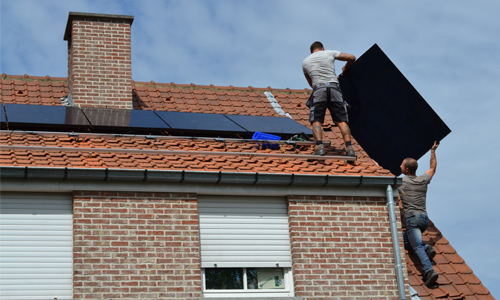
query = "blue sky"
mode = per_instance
[{"x": 448, "y": 50}]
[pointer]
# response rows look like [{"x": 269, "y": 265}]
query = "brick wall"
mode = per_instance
[
  {"x": 99, "y": 60},
  {"x": 342, "y": 248},
  {"x": 146, "y": 246},
  {"x": 136, "y": 246}
]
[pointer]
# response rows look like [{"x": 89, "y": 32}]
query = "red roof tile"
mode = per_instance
[
  {"x": 189, "y": 161},
  {"x": 33, "y": 90}
]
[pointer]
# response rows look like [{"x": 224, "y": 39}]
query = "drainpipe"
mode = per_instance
[{"x": 395, "y": 244}]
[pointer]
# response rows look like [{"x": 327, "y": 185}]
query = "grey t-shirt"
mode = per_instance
[
  {"x": 413, "y": 194},
  {"x": 320, "y": 66}
]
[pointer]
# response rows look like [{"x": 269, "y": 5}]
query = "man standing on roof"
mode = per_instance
[
  {"x": 319, "y": 69},
  {"x": 412, "y": 194}
]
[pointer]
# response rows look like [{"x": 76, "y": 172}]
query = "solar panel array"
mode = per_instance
[
  {"x": 388, "y": 117},
  {"x": 63, "y": 118}
]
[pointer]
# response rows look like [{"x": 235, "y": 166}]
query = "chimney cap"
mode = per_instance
[{"x": 94, "y": 17}]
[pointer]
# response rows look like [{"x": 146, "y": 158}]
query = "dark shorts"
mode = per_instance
[{"x": 336, "y": 105}]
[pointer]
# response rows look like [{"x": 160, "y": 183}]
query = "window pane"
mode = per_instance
[
  {"x": 265, "y": 278},
  {"x": 224, "y": 279}
]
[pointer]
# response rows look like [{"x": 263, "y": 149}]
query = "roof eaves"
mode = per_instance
[{"x": 183, "y": 176}]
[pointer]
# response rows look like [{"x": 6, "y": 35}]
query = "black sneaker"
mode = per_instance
[
  {"x": 350, "y": 151},
  {"x": 430, "y": 278},
  {"x": 319, "y": 149},
  {"x": 430, "y": 252}
]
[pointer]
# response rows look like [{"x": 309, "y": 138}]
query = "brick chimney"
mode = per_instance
[{"x": 99, "y": 60}]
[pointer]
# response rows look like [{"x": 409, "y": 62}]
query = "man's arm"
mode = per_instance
[
  {"x": 349, "y": 58},
  {"x": 433, "y": 163},
  {"x": 309, "y": 80}
]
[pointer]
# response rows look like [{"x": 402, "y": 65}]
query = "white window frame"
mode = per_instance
[
  {"x": 254, "y": 211},
  {"x": 288, "y": 291}
]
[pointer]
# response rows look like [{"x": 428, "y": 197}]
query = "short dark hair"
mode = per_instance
[
  {"x": 411, "y": 164},
  {"x": 316, "y": 45}
]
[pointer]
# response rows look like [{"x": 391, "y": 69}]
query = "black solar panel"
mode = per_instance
[
  {"x": 199, "y": 122},
  {"x": 63, "y": 118},
  {"x": 124, "y": 119},
  {"x": 272, "y": 125},
  {"x": 146, "y": 119},
  {"x": 23, "y": 116},
  {"x": 389, "y": 118}
]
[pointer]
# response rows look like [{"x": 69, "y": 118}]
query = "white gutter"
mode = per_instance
[{"x": 222, "y": 183}]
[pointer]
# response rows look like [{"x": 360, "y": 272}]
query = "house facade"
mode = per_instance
[{"x": 102, "y": 214}]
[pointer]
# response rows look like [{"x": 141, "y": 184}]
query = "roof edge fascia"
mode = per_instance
[
  {"x": 222, "y": 189},
  {"x": 183, "y": 176},
  {"x": 39, "y": 179}
]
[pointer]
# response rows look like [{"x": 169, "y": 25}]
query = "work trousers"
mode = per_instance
[{"x": 415, "y": 225}]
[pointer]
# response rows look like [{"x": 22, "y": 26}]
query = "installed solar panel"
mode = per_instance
[
  {"x": 389, "y": 118},
  {"x": 199, "y": 122},
  {"x": 272, "y": 125},
  {"x": 125, "y": 119},
  {"x": 21, "y": 115},
  {"x": 39, "y": 117},
  {"x": 2, "y": 114}
]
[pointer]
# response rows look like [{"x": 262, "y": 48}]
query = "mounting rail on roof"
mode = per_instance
[
  {"x": 160, "y": 137},
  {"x": 178, "y": 152}
]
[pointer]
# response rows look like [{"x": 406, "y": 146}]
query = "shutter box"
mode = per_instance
[
  {"x": 244, "y": 232},
  {"x": 36, "y": 246}
]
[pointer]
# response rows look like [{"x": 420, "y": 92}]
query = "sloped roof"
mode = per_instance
[
  {"x": 456, "y": 281},
  {"x": 182, "y": 98}
]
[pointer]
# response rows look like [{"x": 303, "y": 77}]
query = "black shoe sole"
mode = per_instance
[{"x": 431, "y": 280}]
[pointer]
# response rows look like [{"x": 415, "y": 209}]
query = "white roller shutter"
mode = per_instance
[
  {"x": 244, "y": 232},
  {"x": 36, "y": 246}
]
